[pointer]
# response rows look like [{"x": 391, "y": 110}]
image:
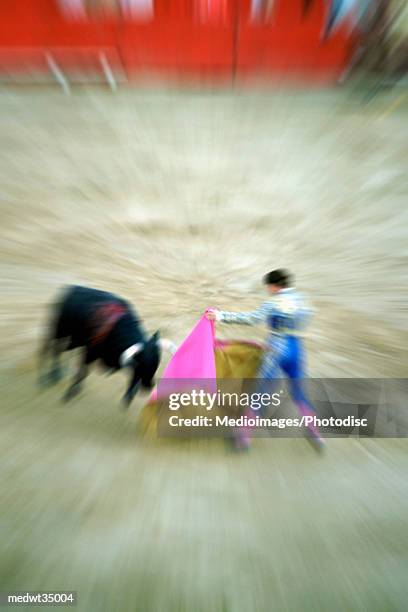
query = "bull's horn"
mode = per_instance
[
  {"x": 167, "y": 345},
  {"x": 127, "y": 356}
]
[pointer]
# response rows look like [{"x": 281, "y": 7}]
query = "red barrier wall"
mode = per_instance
[{"x": 183, "y": 37}]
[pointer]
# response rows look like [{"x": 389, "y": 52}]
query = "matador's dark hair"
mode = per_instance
[{"x": 280, "y": 277}]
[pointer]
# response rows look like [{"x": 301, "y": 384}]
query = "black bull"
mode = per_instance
[{"x": 109, "y": 330}]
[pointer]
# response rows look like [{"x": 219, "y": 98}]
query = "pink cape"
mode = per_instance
[{"x": 194, "y": 360}]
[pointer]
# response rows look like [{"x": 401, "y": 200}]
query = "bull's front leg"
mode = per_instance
[{"x": 80, "y": 376}]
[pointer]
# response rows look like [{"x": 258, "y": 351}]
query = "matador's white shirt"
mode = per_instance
[{"x": 285, "y": 313}]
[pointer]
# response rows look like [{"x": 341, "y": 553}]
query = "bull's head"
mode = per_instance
[{"x": 144, "y": 359}]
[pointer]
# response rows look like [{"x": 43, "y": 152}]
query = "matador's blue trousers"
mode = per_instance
[{"x": 285, "y": 356}]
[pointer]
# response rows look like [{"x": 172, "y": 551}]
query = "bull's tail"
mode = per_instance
[
  {"x": 45, "y": 351},
  {"x": 50, "y": 349}
]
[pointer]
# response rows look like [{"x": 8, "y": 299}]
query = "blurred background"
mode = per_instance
[
  {"x": 173, "y": 152},
  {"x": 319, "y": 41}
]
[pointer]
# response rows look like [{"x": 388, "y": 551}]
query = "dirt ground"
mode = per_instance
[{"x": 181, "y": 200}]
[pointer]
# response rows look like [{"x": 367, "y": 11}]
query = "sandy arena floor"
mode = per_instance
[{"x": 179, "y": 201}]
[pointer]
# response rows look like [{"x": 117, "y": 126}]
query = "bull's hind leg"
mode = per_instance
[{"x": 79, "y": 377}]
